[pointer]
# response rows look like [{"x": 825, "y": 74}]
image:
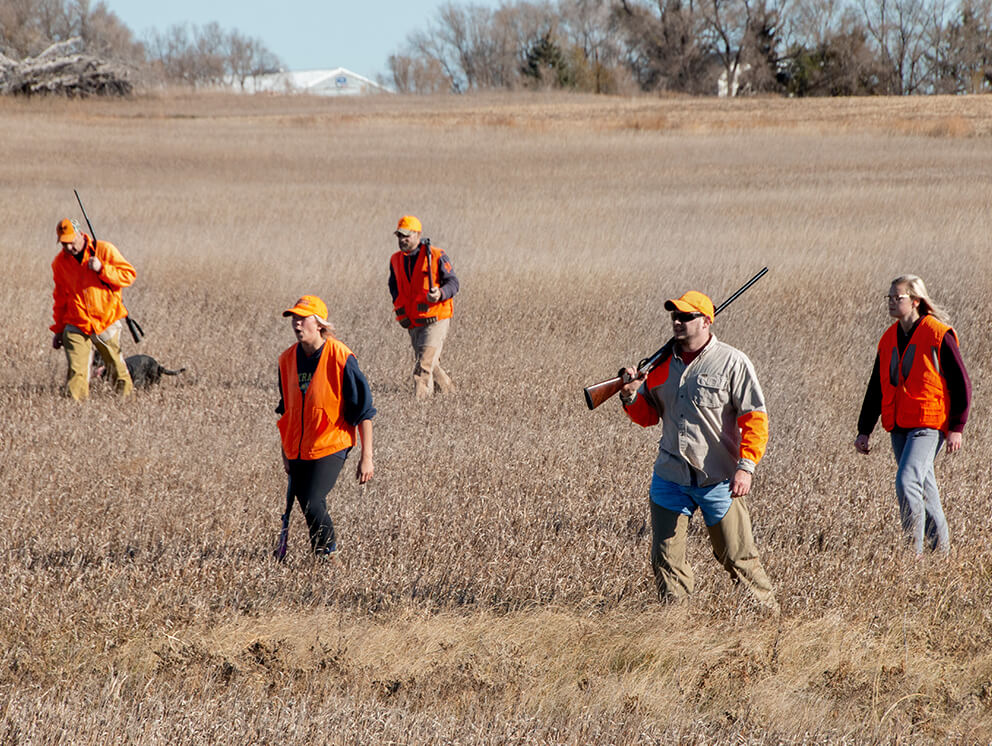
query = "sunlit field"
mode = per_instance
[{"x": 494, "y": 584}]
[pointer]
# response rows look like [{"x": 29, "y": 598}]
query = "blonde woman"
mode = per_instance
[
  {"x": 325, "y": 400},
  {"x": 920, "y": 388}
]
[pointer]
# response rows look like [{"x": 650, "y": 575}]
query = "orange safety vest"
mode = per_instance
[
  {"x": 82, "y": 298},
  {"x": 411, "y": 304},
  {"x": 914, "y": 393},
  {"x": 311, "y": 426}
]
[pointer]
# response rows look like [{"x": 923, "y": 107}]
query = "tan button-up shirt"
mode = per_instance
[{"x": 712, "y": 413}]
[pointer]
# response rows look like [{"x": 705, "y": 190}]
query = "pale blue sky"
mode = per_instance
[{"x": 305, "y": 34}]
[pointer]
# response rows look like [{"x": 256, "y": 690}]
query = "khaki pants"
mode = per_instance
[
  {"x": 428, "y": 374},
  {"x": 78, "y": 352},
  {"x": 733, "y": 547}
]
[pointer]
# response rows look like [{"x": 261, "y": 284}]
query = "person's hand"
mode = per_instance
[
  {"x": 56, "y": 341},
  {"x": 954, "y": 441},
  {"x": 95, "y": 264},
  {"x": 365, "y": 468},
  {"x": 740, "y": 484},
  {"x": 861, "y": 443},
  {"x": 632, "y": 379},
  {"x": 434, "y": 295}
]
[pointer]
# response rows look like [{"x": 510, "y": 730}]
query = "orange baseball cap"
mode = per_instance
[
  {"x": 309, "y": 305},
  {"x": 408, "y": 224},
  {"x": 66, "y": 231},
  {"x": 692, "y": 302}
]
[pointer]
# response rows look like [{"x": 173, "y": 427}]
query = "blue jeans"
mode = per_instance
[
  {"x": 922, "y": 515},
  {"x": 713, "y": 501}
]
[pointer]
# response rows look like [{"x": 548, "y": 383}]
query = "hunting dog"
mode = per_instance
[{"x": 144, "y": 369}]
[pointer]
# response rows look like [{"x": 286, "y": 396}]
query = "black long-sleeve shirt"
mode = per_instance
[{"x": 951, "y": 369}]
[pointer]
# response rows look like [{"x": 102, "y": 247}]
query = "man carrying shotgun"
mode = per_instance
[
  {"x": 422, "y": 285},
  {"x": 88, "y": 308},
  {"x": 714, "y": 432}
]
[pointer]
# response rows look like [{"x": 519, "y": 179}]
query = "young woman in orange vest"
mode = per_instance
[
  {"x": 921, "y": 389},
  {"x": 325, "y": 400}
]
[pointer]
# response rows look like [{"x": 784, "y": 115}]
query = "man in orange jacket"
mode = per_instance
[
  {"x": 89, "y": 276},
  {"x": 422, "y": 285}
]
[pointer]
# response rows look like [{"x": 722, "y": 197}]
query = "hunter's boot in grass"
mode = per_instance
[{"x": 442, "y": 381}]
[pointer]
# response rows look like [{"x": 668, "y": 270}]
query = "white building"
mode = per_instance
[
  {"x": 725, "y": 90},
  {"x": 336, "y": 82}
]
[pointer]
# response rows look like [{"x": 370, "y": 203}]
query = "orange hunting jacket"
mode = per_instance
[
  {"x": 85, "y": 299},
  {"x": 411, "y": 304},
  {"x": 914, "y": 393},
  {"x": 312, "y": 426}
]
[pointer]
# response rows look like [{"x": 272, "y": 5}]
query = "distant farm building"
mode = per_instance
[
  {"x": 336, "y": 82},
  {"x": 727, "y": 90}
]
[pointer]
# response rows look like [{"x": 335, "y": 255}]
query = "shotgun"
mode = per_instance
[
  {"x": 133, "y": 326},
  {"x": 600, "y": 392},
  {"x": 430, "y": 275}
]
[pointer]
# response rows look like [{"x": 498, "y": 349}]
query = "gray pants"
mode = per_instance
[{"x": 922, "y": 515}]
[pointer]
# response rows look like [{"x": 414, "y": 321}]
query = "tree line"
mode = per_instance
[
  {"x": 183, "y": 54},
  {"x": 790, "y": 47}
]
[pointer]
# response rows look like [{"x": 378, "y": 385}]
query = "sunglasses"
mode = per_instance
[{"x": 685, "y": 317}]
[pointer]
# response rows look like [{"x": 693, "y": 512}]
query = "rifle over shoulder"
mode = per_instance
[{"x": 600, "y": 392}]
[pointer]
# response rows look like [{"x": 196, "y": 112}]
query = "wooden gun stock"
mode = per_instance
[{"x": 600, "y": 392}]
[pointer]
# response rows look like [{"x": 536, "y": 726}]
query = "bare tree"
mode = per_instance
[
  {"x": 591, "y": 32},
  {"x": 961, "y": 48},
  {"x": 417, "y": 75},
  {"x": 106, "y": 35},
  {"x": 734, "y": 30},
  {"x": 29, "y": 26},
  {"x": 172, "y": 50},
  {"x": 209, "y": 55},
  {"x": 666, "y": 48},
  {"x": 899, "y": 30},
  {"x": 20, "y": 29}
]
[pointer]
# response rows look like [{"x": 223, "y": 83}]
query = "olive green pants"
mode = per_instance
[
  {"x": 428, "y": 375},
  {"x": 733, "y": 547},
  {"x": 78, "y": 351}
]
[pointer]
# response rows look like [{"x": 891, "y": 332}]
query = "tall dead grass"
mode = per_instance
[{"x": 494, "y": 584}]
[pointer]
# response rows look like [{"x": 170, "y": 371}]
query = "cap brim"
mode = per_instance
[
  {"x": 304, "y": 312},
  {"x": 679, "y": 305},
  {"x": 67, "y": 238},
  {"x": 403, "y": 232}
]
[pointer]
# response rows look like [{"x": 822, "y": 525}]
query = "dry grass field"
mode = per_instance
[{"x": 494, "y": 583}]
